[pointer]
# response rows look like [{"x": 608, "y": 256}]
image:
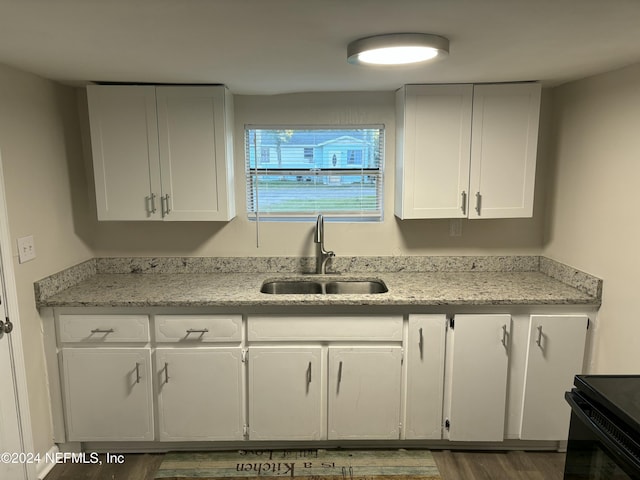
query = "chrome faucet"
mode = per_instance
[{"x": 322, "y": 256}]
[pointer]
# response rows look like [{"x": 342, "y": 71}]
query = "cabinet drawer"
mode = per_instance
[
  {"x": 336, "y": 328},
  {"x": 103, "y": 328},
  {"x": 198, "y": 328}
]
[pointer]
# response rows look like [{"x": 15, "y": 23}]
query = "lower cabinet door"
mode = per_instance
[
  {"x": 200, "y": 393},
  {"x": 364, "y": 392},
  {"x": 477, "y": 355},
  {"x": 108, "y": 394},
  {"x": 286, "y": 387},
  {"x": 425, "y": 349},
  {"x": 555, "y": 355}
]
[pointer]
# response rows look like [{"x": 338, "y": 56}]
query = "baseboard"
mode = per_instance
[
  {"x": 45, "y": 467},
  {"x": 149, "y": 447}
]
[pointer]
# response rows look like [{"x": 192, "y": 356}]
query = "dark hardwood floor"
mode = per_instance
[{"x": 453, "y": 465}]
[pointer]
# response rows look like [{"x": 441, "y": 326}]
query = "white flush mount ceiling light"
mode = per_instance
[{"x": 397, "y": 49}]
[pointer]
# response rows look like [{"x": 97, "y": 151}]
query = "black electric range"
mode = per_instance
[{"x": 604, "y": 436}]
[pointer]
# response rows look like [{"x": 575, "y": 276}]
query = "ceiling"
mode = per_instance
[{"x": 283, "y": 46}]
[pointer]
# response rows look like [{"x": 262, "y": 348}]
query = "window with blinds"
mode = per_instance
[{"x": 296, "y": 173}]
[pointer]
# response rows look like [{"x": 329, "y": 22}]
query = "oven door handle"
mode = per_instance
[{"x": 615, "y": 448}]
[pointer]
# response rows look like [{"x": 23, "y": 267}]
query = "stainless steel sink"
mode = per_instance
[
  {"x": 355, "y": 287},
  {"x": 281, "y": 287},
  {"x": 329, "y": 287}
]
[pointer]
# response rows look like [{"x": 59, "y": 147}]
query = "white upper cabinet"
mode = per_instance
[
  {"x": 162, "y": 153},
  {"x": 503, "y": 150},
  {"x": 466, "y": 151},
  {"x": 433, "y": 143}
]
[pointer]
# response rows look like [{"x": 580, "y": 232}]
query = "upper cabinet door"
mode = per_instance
[
  {"x": 433, "y": 145},
  {"x": 124, "y": 140},
  {"x": 503, "y": 150},
  {"x": 193, "y": 133}
]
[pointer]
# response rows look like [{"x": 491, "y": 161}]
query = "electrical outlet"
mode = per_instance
[
  {"x": 455, "y": 227},
  {"x": 26, "y": 249}
]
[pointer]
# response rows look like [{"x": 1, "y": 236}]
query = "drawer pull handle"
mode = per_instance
[
  {"x": 102, "y": 330},
  {"x": 138, "y": 377},
  {"x": 166, "y": 372},
  {"x": 201, "y": 331}
]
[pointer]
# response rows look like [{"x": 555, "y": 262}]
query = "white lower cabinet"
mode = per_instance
[
  {"x": 286, "y": 388},
  {"x": 469, "y": 378},
  {"x": 108, "y": 394},
  {"x": 478, "y": 355},
  {"x": 364, "y": 392},
  {"x": 424, "y": 358},
  {"x": 555, "y": 354},
  {"x": 200, "y": 393}
]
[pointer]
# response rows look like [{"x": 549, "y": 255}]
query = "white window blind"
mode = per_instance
[{"x": 295, "y": 173}]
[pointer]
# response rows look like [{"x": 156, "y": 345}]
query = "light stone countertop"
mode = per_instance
[{"x": 225, "y": 289}]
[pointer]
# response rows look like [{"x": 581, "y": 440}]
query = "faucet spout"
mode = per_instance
[
  {"x": 322, "y": 255},
  {"x": 319, "y": 237}
]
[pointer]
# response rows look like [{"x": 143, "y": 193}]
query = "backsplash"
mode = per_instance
[
  {"x": 183, "y": 265},
  {"x": 307, "y": 264}
]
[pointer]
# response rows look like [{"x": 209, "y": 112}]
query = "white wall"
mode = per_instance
[
  {"x": 41, "y": 155},
  {"x": 593, "y": 219},
  {"x": 392, "y": 237}
]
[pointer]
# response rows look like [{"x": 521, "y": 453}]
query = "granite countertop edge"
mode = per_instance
[{"x": 537, "y": 281}]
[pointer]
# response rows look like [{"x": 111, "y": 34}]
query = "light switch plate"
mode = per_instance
[{"x": 26, "y": 249}]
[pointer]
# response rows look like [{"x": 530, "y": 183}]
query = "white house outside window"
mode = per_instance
[{"x": 295, "y": 173}]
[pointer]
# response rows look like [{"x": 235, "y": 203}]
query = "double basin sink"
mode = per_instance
[{"x": 323, "y": 286}]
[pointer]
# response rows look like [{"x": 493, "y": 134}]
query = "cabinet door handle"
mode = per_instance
[
  {"x": 421, "y": 344},
  {"x": 339, "y": 375},
  {"x": 478, "y": 202},
  {"x": 505, "y": 336},
  {"x": 102, "y": 330},
  {"x": 464, "y": 203},
  {"x": 309, "y": 374},
  {"x": 539, "y": 339},
  {"x": 138, "y": 377},
  {"x": 151, "y": 203},
  {"x": 164, "y": 205},
  {"x": 166, "y": 372}
]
